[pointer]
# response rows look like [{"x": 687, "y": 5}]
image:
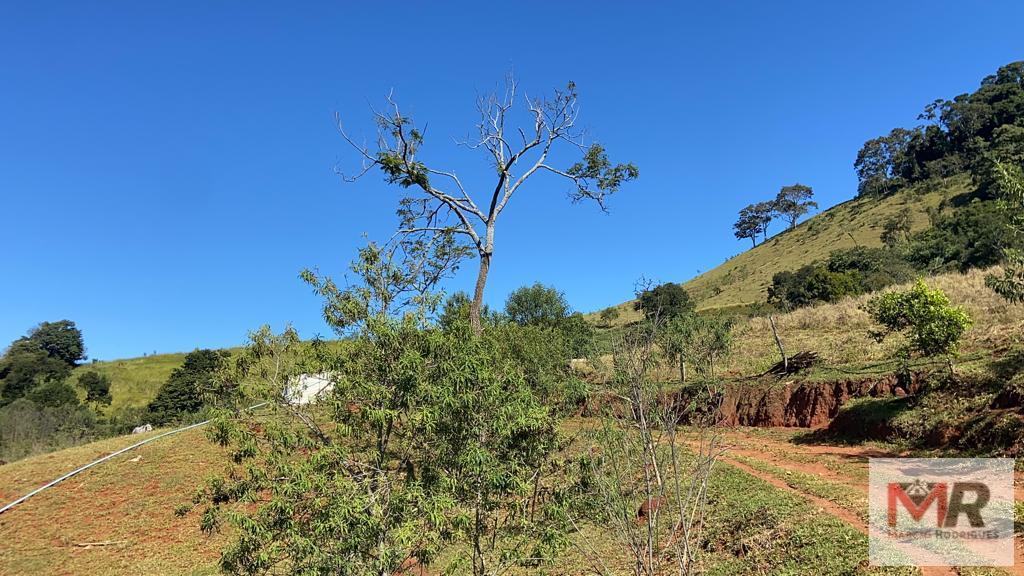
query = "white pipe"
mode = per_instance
[{"x": 104, "y": 459}]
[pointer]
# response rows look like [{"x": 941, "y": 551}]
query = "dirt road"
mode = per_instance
[{"x": 834, "y": 478}]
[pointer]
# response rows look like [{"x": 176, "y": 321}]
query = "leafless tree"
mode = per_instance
[
  {"x": 652, "y": 473},
  {"x": 440, "y": 203}
]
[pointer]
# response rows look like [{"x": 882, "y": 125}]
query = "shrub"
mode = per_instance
[
  {"x": 812, "y": 284},
  {"x": 931, "y": 325},
  {"x": 875, "y": 268},
  {"x": 53, "y": 395},
  {"x": 27, "y": 428}
]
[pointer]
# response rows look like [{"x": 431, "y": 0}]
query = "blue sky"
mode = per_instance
[{"x": 166, "y": 169}]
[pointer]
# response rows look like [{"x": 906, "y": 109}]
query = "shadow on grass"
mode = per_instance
[{"x": 858, "y": 421}]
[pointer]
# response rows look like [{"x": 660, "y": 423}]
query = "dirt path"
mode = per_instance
[{"x": 772, "y": 459}]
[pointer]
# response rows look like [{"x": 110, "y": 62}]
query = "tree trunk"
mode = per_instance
[
  {"x": 478, "y": 294},
  {"x": 682, "y": 369},
  {"x": 778, "y": 342},
  {"x": 753, "y": 240}
]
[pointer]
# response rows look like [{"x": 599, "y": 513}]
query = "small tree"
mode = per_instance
[
  {"x": 793, "y": 202},
  {"x": 537, "y": 305},
  {"x": 664, "y": 301},
  {"x": 651, "y": 482},
  {"x": 896, "y": 228},
  {"x": 924, "y": 316},
  {"x": 699, "y": 339},
  {"x": 429, "y": 439},
  {"x": 97, "y": 387},
  {"x": 609, "y": 315}
]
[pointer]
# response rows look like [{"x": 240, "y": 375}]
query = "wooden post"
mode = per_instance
[{"x": 778, "y": 342}]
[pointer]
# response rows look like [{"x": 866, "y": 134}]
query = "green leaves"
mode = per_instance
[
  {"x": 932, "y": 326},
  {"x": 428, "y": 438},
  {"x": 596, "y": 177}
]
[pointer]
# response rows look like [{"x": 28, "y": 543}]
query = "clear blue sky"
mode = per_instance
[{"x": 166, "y": 167}]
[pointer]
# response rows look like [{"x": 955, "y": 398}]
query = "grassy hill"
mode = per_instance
[
  {"x": 133, "y": 381},
  {"x": 744, "y": 279}
]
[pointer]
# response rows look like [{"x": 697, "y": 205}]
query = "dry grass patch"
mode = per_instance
[{"x": 839, "y": 332}]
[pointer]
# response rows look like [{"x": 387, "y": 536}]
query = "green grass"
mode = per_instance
[
  {"x": 134, "y": 382},
  {"x": 744, "y": 279},
  {"x": 836, "y": 493},
  {"x": 755, "y": 528}
]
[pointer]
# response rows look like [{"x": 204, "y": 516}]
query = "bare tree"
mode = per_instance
[
  {"x": 650, "y": 476},
  {"x": 442, "y": 204}
]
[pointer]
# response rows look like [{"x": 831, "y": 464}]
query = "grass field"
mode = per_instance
[
  {"x": 839, "y": 332},
  {"x": 117, "y": 518},
  {"x": 134, "y": 381}
]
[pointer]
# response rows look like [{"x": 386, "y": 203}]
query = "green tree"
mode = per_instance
[
  {"x": 881, "y": 163},
  {"x": 97, "y": 387},
  {"x": 25, "y": 366},
  {"x": 609, "y": 315},
  {"x": 430, "y": 439},
  {"x": 753, "y": 220},
  {"x": 794, "y": 201},
  {"x": 974, "y": 236},
  {"x": 183, "y": 392},
  {"x": 664, "y": 301},
  {"x": 53, "y": 394},
  {"x": 61, "y": 340},
  {"x": 537, "y": 305},
  {"x": 924, "y": 316},
  {"x": 700, "y": 340},
  {"x": 439, "y": 202},
  {"x": 811, "y": 284},
  {"x": 546, "y": 307}
]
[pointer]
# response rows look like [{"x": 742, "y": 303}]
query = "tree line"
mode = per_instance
[{"x": 972, "y": 132}]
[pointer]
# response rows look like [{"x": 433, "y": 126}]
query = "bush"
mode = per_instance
[
  {"x": 27, "y": 428},
  {"x": 931, "y": 325},
  {"x": 875, "y": 268},
  {"x": 537, "y": 305},
  {"x": 53, "y": 395},
  {"x": 811, "y": 284}
]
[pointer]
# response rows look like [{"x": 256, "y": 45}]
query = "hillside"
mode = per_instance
[
  {"x": 134, "y": 381},
  {"x": 744, "y": 279}
]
